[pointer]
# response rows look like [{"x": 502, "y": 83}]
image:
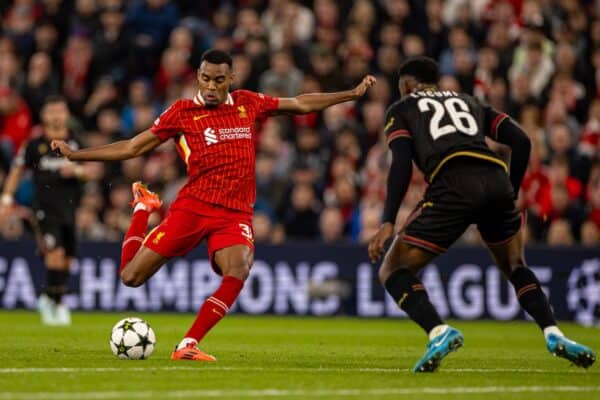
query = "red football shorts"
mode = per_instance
[{"x": 181, "y": 230}]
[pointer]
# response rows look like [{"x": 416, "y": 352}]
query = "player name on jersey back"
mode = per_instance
[{"x": 433, "y": 93}]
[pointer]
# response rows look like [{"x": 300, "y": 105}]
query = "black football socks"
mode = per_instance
[
  {"x": 410, "y": 294},
  {"x": 531, "y": 297},
  {"x": 56, "y": 284}
]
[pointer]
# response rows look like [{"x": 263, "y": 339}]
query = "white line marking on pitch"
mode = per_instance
[
  {"x": 204, "y": 368},
  {"x": 289, "y": 392}
]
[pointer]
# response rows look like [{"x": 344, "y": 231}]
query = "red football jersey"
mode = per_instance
[{"x": 217, "y": 144}]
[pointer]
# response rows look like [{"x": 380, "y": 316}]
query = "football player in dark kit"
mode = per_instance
[
  {"x": 57, "y": 184},
  {"x": 444, "y": 133}
]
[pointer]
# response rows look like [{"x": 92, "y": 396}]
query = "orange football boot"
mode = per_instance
[
  {"x": 192, "y": 353},
  {"x": 141, "y": 194}
]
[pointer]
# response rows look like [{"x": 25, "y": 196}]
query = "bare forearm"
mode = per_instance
[
  {"x": 311, "y": 102},
  {"x": 12, "y": 180},
  {"x": 121, "y": 150},
  {"x": 116, "y": 151}
]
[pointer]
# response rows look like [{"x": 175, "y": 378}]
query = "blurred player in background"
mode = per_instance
[
  {"x": 57, "y": 183},
  {"x": 444, "y": 132},
  {"x": 214, "y": 134}
]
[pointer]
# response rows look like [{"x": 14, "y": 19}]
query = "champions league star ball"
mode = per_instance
[
  {"x": 132, "y": 339},
  {"x": 583, "y": 297}
]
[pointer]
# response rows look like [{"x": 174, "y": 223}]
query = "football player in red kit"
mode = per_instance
[{"x": 214, "y": 134}]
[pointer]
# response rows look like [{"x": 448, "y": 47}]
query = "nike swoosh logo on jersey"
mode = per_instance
[{"x": 197, "y": 117}]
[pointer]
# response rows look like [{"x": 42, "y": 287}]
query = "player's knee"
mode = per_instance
[
  {"x": 385, "y": 270},
  {"x": 130, "y": 278},
  {"x": 56, "y": 258},
  {"x": 240, "y": 270}
]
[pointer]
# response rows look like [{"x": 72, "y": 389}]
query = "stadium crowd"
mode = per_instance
[{"x": 319, "y": 176}]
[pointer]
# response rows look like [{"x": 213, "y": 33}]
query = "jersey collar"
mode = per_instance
[{"x": 200, "y": 101}]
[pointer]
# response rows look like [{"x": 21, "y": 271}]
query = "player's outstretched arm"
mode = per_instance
[
  {"x": 310, "y": 102},
  {"x": 121, "y": 150}
]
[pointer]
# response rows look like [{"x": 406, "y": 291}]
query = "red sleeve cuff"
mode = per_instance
[{"x": 398, "y": 133}]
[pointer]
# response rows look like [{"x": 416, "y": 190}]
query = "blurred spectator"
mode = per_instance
[
  {"x": 140, "y": 103},
  {"x": 111, "y": 45},
  {"x": 40, "y": 83},
  {"x": 10, "y": 73},
  {"x": 269, "y": 187},
  {"x": 536, "y": 66},
  {"x": 327, "y": 29},
  {"x": 19, "y": 21},
  {"x": 151, "y": 21},
  {"x": 437, "y": 31},
  {"x": 47, "y": 40},
  {"x": 331, "y": 225},
  {"x": 559, "y": 233},
  {"x": 104, "y": 93},
  {"x": 283, "y": 78},
  {"x": 262, "y": 228},
  {"x": 301, "y": 218},
  {"x": 77, "y": 59},
  {"x": 84, "y": 18},
  {"x": 590, "y": 234},
  {"x": 15, "y": 121},
  {"x": 174, "y": 70},
  {"x": 120, "y": 63},
  {"x": 288, "y": 23}
]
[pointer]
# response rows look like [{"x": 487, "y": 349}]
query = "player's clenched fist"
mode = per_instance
[
  {"x": 366, "y": 83},
  {"x": 62, "y": 147},
  {"x": 377, "y": 243}
]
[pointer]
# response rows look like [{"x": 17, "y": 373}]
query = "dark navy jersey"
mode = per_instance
[
  {"x": 53, "y": 192},
  {"x": 442, "y": 125}
]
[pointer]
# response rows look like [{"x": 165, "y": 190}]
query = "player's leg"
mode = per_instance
[
  {"x": 57, "y": 274},
  {"x": 398, "y": 276},
  {"x": 142, "y": 266},
  {"x": 232, "y": 253},
  {"x": 432, "y": 227},
  {"x": 68, "y": 243},
  {"x": 501, "y": 230},
  {"x": 144, "y": 203},
  {"x": 54, "y": 257},
  {"x": 509, "y": 257}
]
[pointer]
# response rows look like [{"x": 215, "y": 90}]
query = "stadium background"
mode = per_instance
[
  {"x": 321, "y": 180},
  {"x": 321, "y": 177}
]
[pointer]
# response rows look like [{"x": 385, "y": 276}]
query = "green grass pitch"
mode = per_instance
[{"x": 287, "y": 358}]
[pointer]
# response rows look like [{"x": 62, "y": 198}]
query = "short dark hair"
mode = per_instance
[
  {"x": 423, "y": 69},
  {"x": 215, "y": 56},
  {"x": 55, "y": 98}
]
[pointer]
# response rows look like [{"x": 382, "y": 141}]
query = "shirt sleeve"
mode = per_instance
[
  {"x": 395, "y": 127},
  {"x": 265, "y": 104},
  {"x": 167, "y": 125},
  {"x": 492, "y": 119}
]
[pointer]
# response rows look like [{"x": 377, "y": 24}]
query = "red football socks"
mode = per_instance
[
  {"x": 215, "y": 307},
  {"x": 134, "y": 236}
]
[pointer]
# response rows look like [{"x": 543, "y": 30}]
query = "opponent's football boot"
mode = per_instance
[
  {"x": 438, "y": 348},
  {"x": 578, "y": 354}
]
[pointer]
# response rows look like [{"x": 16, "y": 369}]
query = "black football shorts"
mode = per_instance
[
  {"x": 57, "y": 231},
  {"x": 466, "y": 191}
]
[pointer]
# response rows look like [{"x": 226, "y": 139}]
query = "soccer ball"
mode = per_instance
[
  {"x": 583, "y": 296},
  {"x": 132, "y": 339}
]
